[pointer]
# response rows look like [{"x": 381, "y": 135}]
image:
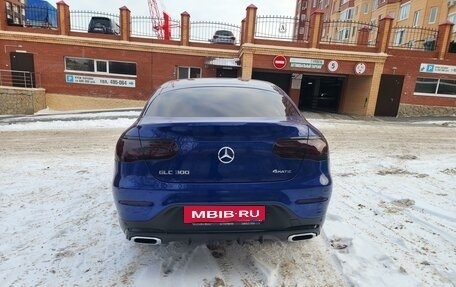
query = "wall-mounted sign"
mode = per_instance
[
  {"x": 88, "y": 80},
  {"x": 360, "y": 68},
  {"x": 333, "y": 66},
  {"x": 283, "y": 28},
  {"x": 279, "y": 62},
  {"x": 439, "y": 69},
  {"x": 306, "y": 63}
]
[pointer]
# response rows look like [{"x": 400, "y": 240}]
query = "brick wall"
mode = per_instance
[
  {"x": 153, "y": 68},
  {"x": 407, "y": 63},
  {"x": 15, "y": 101}
]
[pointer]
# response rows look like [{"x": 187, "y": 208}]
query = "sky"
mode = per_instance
[{"x": 230, "y": 11}]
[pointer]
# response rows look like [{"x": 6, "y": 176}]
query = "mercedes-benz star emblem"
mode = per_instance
[{"x": 226, "y": 155}]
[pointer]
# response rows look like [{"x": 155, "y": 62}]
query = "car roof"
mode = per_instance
[
  {"x": 217, "y": 82},
  {"x": 100, "y": 17}
]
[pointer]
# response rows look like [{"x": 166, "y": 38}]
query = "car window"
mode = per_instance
[
  {"x": 220, "y": 102},
  {"x": 103, "y": 21},
  {"x": 224, "y": 33}
]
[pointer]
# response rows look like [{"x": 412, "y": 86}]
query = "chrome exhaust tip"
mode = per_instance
[
  {"x": 301, "y": 236},
  {"x": 147, "y": 240}
]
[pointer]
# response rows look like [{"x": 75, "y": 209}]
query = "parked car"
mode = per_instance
[
  {"x": 223, "y": 37},
  {"x": 216, "y": 159},
  {"x": 103, "y": 25}
]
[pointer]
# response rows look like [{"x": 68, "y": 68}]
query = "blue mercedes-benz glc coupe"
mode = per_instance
[{"x": 216, "y": 159}]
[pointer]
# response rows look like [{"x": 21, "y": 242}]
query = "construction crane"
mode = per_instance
[{"x": 161, "y": 25}]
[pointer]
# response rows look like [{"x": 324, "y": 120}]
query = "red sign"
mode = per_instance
[
  {"x": 279, "y": 62},
  {"x": 223, "y": 214}
]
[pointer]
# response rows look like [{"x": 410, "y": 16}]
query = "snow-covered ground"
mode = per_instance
[{"x": 391, "y": 221}]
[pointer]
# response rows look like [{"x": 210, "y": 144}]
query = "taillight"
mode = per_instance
[
  {"x": 313, "y": 148},
  {"x": 129, "y": 150}
]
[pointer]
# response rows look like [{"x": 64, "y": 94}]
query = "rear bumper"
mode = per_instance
[{"x": 168, "y": 226}]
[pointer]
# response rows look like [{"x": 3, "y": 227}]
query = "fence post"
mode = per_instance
[
  {"x": 443, "y": 39},
  {"x": 247, "y": 65},
  {"x": 242, "y": 32},
  {"x": 63, "y": 16},
  {"x": 125, "y": 23},
  {"x": 363, "y": 36},
  {"x": 185, "y": 29},
  {"x": 316, "y": 24},
  {"x": 385, "y": 26},
  {"x": 3, "y": 13},
  {"x": 250, "y": 23}
]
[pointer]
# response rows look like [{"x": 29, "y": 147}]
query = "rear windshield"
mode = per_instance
[
  {"x": 103, "y": 21},
  {"x": 220, "y": 102},
  {"x": 224, "y": 33}
]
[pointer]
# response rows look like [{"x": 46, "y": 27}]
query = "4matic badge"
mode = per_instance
[{"x": 282, "y": 171}]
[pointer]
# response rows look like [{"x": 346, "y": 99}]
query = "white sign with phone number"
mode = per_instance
[{"x": 88, "y": 80}]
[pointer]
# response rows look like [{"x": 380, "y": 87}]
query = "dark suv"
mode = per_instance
[{"x": 103, "y": 25}]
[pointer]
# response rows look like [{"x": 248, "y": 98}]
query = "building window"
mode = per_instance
[
  {"x": 347, "y": 14},
  {"x": 366, "y": 8},
  {"x": 416, "y": 18},
  {"x": 404, "y": 11},
  {"x": 435, "y": 87},
  {"x": 343, "y": 34},
  {"x": 399, "y": 37},
  {"x": 79, "y": 65},
  {"x": 375, "y": 5},
  {"x": 188, "y": 72},
  {"x": 100, "y": 66},
  {"x": 122, "y": 68},
  {"x": 452, "y": 18},
  {"x": 433, "y": 15},
  {"x": 15, "y": 14}
]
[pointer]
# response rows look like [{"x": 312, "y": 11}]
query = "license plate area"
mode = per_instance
[{"x": 224, "y": 214}]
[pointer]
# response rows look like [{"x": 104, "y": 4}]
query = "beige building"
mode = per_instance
[
  {"x": 423, "y": 15},
  {"x": 416, "y": 13}
]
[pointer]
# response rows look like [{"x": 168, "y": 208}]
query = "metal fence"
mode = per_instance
[
  {"x": 45, "y": 17},
  {"x": 204, "y": 31},
  {"x": 20, "y": 79},
  {"x": 414, "y": 38},
  {"x": 349, "y": 33},
  {"x": 282, "y": 28},
  {"x": 142, "y": 26},
  {"x": 80, "y": 19}
]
